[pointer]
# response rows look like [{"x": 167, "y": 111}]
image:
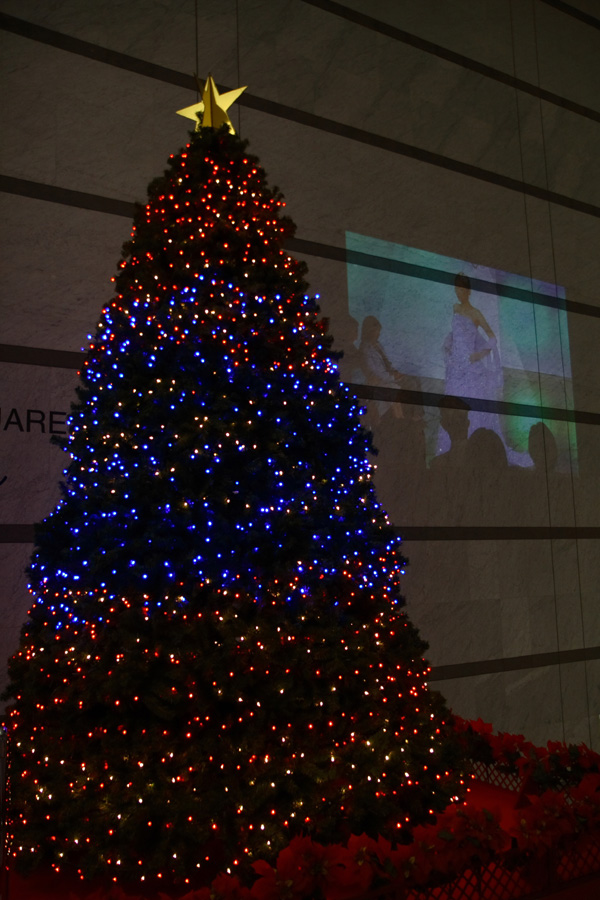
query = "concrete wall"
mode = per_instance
[{"x": 468, "y": 133}]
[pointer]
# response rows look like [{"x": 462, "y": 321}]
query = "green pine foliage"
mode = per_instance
[{"x": 216, "y": 658}]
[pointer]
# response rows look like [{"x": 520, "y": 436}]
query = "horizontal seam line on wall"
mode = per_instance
[
  {"x": 502, "y": 407},
  {"x": 513, "y": 663},
  {"x": 53, "y": 194},
  {"x": 497, "y": 532},
  {"x": 105, "y": 55},
  {"x": 465, "y": 62},
  {"x": 96, "y": 52},
  {"x": 439, "y": 276},
  {"x": 10, "y": 23},
  {"x": 570, "y": 10},
  {"x": 68, "y": 359},
  {"x": 17, "y": 534},
  {"x": 41, "y": 356}
]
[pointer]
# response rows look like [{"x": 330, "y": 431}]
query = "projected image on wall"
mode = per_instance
[{"x": 435, "y": 325}]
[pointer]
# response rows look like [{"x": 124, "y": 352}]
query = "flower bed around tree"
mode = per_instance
[{"x": 544, "y": 831}]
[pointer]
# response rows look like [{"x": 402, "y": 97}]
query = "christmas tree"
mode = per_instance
[{"x": 216, "y": 658}]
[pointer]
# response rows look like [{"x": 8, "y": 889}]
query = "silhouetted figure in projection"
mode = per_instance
[
  {"x": 542, "y": 448},
  {"x": 545, "y": 494},
  {"x": 350, "y": 364},
  {"x": 378, "y": 369},
  {"x": 471, "y": 360},
  {"x": 400, "y": 460},
  {"x": 398, "y": 432},
  {"x": 454, "y": 419},
  {"x": 377, "y": 366},
  {"x": 485, "y": 451},
  {"x": 489, "y": 498},
  {"x": 448, "y": 479}
]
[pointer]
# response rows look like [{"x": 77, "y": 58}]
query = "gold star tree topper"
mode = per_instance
[{"x": 213, "y": 106}]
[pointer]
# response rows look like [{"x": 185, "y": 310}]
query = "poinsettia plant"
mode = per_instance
[
  {"x": 545, "y": 823},
  {"x": 540, "y": 768}
]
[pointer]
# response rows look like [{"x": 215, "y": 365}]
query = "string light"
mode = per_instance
[{"x": 216, "y": 656}]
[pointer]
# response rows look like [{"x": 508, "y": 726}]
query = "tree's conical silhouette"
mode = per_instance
[{"x": 216, "y": 657}]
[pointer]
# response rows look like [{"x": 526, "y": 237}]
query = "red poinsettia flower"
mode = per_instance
[
  {"x": 414, "y": 863},
  {"x": 382, "y": 849},
  {"x": 481, "y": 727},
  {"x": 227, "y": 887},
  {"x": 547, "y": 820},
  {"x": 563, "y": 755},
  {"x": 115, "y": 892},
  {"x": 587, "y": 758},
  {"x": 345, "y": 877},
  {"x": 363, "y": 850},
  {"x": 200, "y": 894},
  {"x": 585, "y": 799},
  {"x": 300, "y": 871},
  {"x": 509, "y": 747},
  {"x": 362, "y": 847},
  {"x": 266, "y": 886}
]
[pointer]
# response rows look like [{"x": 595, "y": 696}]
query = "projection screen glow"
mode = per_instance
[{"x": 498, "y": 336}]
